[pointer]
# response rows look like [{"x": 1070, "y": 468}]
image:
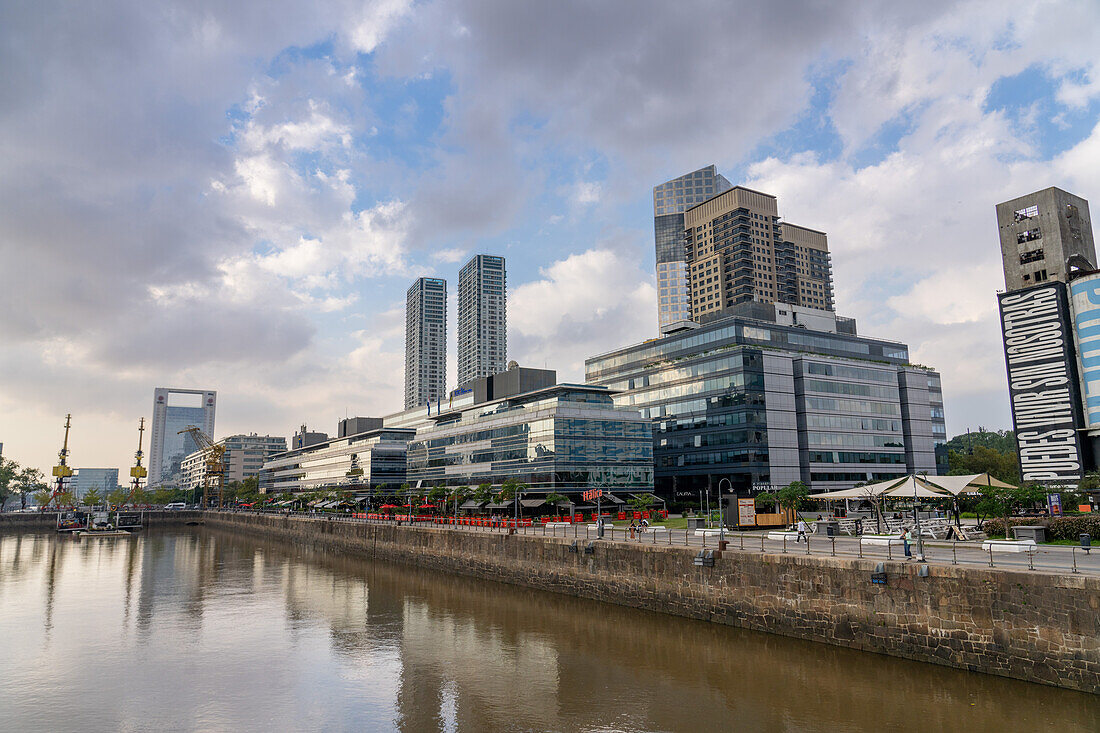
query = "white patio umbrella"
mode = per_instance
[{"x": 968, "y": 484}]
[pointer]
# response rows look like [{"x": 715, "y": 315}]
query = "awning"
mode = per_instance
[
  {"x": 501, "y": 505},
  {"x": 472, "y": 505},
  {"x": 532, "y": 503},
  {"x": 965, "y": 484},
  {"x": 613, "y": 499}
]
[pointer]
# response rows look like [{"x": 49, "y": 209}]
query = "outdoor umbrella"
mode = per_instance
[{"x": 965, "y": 484}]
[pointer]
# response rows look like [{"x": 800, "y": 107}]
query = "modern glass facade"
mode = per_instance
[
  {"x": 762, "y": 405},
  {"x": 670, "y": 200},
  {"x": 369, "y": 460},
  {"x": 175, "y": 410},
  {"x": 104, "y": 480},
  {"x": 564, "y": 439}
]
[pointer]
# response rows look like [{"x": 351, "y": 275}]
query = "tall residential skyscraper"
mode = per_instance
[
  {"x": 737, "y": 251},
  {"x": 425, "y": 341},
  {"x": 482, "y": 318},
  {"x": 670, "y": 201},
  {"x": 1042, "y": 235},
  {"x": 174, "y": 410}
]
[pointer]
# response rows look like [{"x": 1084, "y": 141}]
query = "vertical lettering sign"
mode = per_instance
[
  {"x": 1084, "y": 303},
  {"x": 1042, "y": 383}
]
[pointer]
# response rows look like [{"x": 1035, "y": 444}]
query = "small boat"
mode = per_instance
[{"x": 101, "y": 533}]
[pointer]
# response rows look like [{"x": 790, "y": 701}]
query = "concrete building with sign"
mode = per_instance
[
  {"x": 762, "y": 403},
  {"x": 1049, "y": 313}
]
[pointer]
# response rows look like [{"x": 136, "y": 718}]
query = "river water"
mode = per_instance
[{"x": 204, "y": 630}]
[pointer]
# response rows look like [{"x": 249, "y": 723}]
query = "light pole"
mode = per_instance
[{"x": 721, "y": 512}]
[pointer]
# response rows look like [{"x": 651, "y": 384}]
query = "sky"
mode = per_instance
[{"x": 236, "y": 196}]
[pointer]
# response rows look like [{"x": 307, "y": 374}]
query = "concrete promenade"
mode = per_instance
[{"x": 1046, "y": 558}]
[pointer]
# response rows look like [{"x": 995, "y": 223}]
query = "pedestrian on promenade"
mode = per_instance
[
  {"x": 633, "y": 528},
  {"x": 859, "y": 525},
  {"x": 801, "y": 531},
  {"x": 906, "y": 537}
]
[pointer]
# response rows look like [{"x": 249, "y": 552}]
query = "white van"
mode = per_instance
[{"x": 175, "y": 505}]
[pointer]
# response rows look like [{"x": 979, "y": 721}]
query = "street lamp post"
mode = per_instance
[{"x": 721, "y": 512}]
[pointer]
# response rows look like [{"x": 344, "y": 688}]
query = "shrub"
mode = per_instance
[{"x": 1058, "y": 528}]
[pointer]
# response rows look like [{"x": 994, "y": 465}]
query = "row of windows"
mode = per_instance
[
  {"x": 741, "y": 417},
  {"x": 736, "y": 381},
  {"x": 730, "y": 457},
  {"x": 853, "y": 389},
  {"x": 870, "y": 408},
  {"x": 858, "y": 441},
  {"x": 852, "y": 423},
  {"x": 856, "y": 477},
  {"x": 851, "y": 372},
  {"x": 703, "y": 440},
  {"x": 852, "y": 457}
]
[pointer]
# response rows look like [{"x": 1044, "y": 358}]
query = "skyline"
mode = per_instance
[{"x": 238, "y": 198}]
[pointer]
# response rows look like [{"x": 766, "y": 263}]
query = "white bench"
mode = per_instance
[
  {"x": 780, "y": 536},
  {"x": 882, "y": 540},
  {"x": 658, "y": 529},
  {"x": 554, "y": 525},
  {"x": 1010, "y": 546},
  {"x": 711, "y": 532}
]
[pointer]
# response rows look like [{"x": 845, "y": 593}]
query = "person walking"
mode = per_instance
[
  {"x": 801, "y": 531},
  {"x": 906, "y": 538},
  {"x": 633, "y": 528}
]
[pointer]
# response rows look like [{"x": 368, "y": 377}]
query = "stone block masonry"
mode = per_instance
[{"x": 1026, "y": 625}]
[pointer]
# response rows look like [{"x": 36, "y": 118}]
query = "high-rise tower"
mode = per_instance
[
  {"x": 1042, "y": 235},
  {"x": 737, "y": 251},
  {"x": 173, "y": 411},
  {"x": 670, "y": 200},
  {"x": 482, "y": 318},
  {"x": 425, "y": 341}
]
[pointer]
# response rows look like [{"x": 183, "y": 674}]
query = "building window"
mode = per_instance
[{"x": 1024, "y": 214}]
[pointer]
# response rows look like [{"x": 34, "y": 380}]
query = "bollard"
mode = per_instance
[
  {"x": 954, "y": 555},
  {"x": 784, "y": 544},
  {"x": 833, "y": 540},
  {"x": 761, "y": 541},
  {"x": 807, "y": 544},
  {"x": 991, "y": 556},
  {"x": 1074, "y": 551},
  {"x": 704, "y": 539},
  {"x": 742, "y": 540},
  {"x": 889, "y": 550},
  {"x": 1030, "y": 560},
  {"x": 861, "y": 547}
]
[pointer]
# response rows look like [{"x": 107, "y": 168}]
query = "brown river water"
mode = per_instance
[{"x": 204, "y": 630}]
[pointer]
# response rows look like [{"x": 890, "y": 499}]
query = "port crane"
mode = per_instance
[
  {"x": 138, "y": 472},
  {"x": 213, "y": 465},
  {"x": 62, "y": 471}
]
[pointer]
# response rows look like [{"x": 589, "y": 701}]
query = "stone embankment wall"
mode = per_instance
[{"x": 1031, "y": 626}]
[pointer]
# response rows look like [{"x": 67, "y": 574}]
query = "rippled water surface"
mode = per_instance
[{"x": 209, "y": 631}]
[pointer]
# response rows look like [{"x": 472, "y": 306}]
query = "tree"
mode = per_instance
[
  {"x": 27, "y": 482},
  {"x": 1004, "y": 466},
  {"x": 93, "y": 497},
  {"x": 8, "y": 471},
  {"x": 118, "y": 497},
  {"x": 1004, "y": 501},
  {"x": 642, "y": 502},
  {"x": 765, "y": 502},
  {"x": 790, "y": 498},
  {"x": 42, "y": 497},
  {"x": 483, "y": 493},
  {"x": 1003, "y": 441}
]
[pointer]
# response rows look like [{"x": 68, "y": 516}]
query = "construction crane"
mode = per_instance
[
  {"x": 62, "y": 471},
  {"x": 138, "y": 472},
  {"x": 213, "y": 465}
]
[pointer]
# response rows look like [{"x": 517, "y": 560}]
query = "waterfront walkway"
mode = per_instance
[{"x": 1059, "y": 559}]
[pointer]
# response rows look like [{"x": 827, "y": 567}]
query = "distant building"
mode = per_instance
[
  {"x": 670, "y": 200},
  {"x": 761, "y": 404},
  {"x": 355, "y": 425},
  {"x": 305, "y": 438},
  {"x": 174, "y": 410},
  {"x": 425, "y": 341},
  {"x": 1043, "y": 235},
  {"x": 374, "y": 459},
  {"x": 482, "y": 318},
  {"x": 244, "y": 458},
  {"x": 105, "y": 480}
]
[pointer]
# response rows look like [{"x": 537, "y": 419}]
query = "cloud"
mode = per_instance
[{"x": 579, "y": 302}]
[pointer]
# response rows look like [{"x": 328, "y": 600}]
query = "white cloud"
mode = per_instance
[{"x": 375, "y": 22}]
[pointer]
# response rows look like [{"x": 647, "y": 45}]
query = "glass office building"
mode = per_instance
[
  {"x": 763, "y": 404},
  {"x": 373, "y": 459},
  {"x": 564, "y": 439},
  {"x": 482, "y": 318}
]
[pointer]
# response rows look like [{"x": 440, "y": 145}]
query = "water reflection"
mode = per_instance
[{"x": 207, "y": 630}]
